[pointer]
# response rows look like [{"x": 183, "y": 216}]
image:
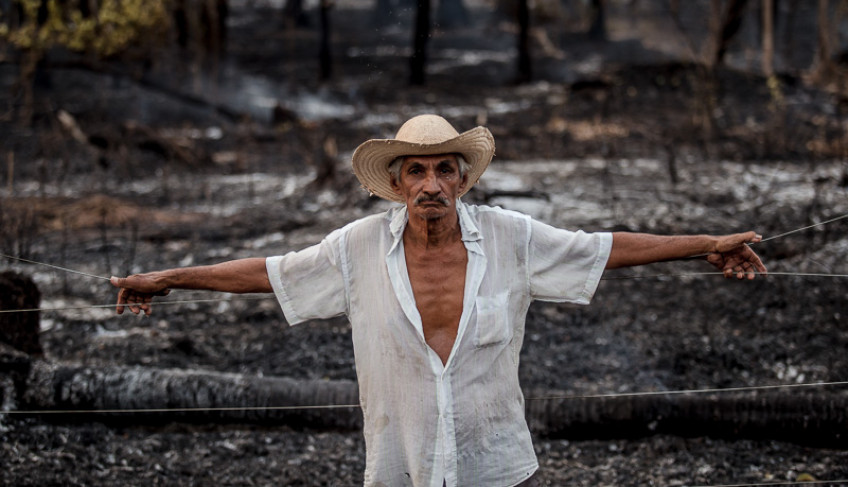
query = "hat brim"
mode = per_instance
[{"x": 372, "y": 158}]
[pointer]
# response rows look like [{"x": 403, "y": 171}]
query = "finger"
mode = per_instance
[
  {"x": 753, "y": 263},
  {"x": 122, "y": 298},
  {"x": 758, "y": 264},
  {"x": 738, "y": 270},
  {"x": 146, "y": 306},
  {"x": 749, "y": 271},
  {"x": 132, "y": 300},
  {"x": 752, "y": 237},
  {"x": 715, "y": 259}
]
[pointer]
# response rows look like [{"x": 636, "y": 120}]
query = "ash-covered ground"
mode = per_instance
[{"x": 611, "y": 137}]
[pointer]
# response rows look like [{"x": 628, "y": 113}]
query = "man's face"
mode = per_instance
[{"x": 430, "y": 185}]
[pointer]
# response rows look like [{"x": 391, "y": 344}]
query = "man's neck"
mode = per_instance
[{"x": 430, "y": 234}]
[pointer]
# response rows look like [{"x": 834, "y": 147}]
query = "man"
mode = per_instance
[{"x": 437, "y": 292}]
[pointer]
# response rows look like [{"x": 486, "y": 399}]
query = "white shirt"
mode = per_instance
[{"x": 425, "y": 423}]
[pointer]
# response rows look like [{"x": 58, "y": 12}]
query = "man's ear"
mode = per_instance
[
  {"x": 395, "y": 185},
  {"x": 464, "y": 182}
]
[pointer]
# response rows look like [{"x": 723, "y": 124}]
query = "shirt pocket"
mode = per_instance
[{"x": 492, "y": 320}]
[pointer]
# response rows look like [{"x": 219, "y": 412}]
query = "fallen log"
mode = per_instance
[
  {"x": 811, "y": 416},
  {"x": 150, "y": 395}
]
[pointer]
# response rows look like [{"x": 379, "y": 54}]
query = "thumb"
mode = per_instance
[{"x": 753, "y": 237}]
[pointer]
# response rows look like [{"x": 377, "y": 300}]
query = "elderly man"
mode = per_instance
[{"x": 437, "y": 292}]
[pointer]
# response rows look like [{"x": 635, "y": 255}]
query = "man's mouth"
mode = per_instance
[{"x": 428, "y": 201}]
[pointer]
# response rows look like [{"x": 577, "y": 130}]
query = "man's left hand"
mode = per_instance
[{"x": 734, "y": 257}]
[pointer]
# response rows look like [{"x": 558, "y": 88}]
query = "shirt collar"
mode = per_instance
[
  {"x": 398, "y": 218},
  {"x": 468, "y": 225}
]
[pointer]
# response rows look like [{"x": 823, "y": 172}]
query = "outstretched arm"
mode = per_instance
[
  {"x": 728, "y": 253},
  {"x": 236, "y": 276}
]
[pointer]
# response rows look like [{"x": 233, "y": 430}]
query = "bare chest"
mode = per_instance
[{"x": 438, "y": 285}]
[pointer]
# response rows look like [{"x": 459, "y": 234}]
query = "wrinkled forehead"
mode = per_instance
[{"x": 430, "y": 159}]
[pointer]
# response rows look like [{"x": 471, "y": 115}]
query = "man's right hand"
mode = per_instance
[{"x": 137, "y": 291}]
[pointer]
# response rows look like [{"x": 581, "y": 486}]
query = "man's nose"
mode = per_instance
[{"x": 431, "y": 184}]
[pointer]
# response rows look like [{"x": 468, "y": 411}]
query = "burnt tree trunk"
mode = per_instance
[
  {"x": 168, "y": 392},
  {"x": 812, "y": 416},
  {"x": 324, "y": 54},
  {"x": 725, "y": 28},
  {"x": 525, "y": 67},
  {"x": 768, "y": 37},
  {"x": 598, "y": 27},
  {"x": 19, "y": 330},
  {"x": 294, "y": 14},
  {"x": 823, "y": 64},
  {"x": 418, "y": 61},
  {"x": 181, "y": 23},
  {"x": 213, "y": 20}
]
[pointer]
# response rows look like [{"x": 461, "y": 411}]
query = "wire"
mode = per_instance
[
  {"x": 804, "y": 482},
  {"x": 804, "y": 228},
  {"x": 126, "y": 305},
  {"x": 181, "y": 410},
  {"x": 245, "y": 298},
  {"x": 72, "y": 271},
  {"x": 695, "y": 274},
  {"x": 340, "y": 406},
  {"x": 689, "y": 391}
]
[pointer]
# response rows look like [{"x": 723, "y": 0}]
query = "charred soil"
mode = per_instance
[{"x": 644, "y": 141}]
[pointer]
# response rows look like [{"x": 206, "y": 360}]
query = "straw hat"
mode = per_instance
[{"x": 421, "y": 136}]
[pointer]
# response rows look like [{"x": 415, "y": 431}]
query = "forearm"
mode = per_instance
[
  {"x": 235, "y": 276},
  {"x": 633, "y": 249}
]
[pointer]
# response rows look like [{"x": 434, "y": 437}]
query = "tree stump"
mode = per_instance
[{"x": 20, "y": 330}]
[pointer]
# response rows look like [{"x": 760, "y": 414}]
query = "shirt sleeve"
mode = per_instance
[
  {"x": 565, "y": 266},
  {"x": 309, "y": 284}
]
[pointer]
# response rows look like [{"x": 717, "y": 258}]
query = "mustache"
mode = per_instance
[{"x": 424, "y": 198}]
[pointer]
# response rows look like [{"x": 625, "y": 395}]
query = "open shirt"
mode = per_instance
[{"x": 425, "y": 423}]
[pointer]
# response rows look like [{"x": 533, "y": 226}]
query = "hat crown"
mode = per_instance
[{"x": 426, "y": 129}]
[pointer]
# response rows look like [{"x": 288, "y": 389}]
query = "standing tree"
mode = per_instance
[
  {"x": 525, "y": 65},
  {"x": 99, "y": 30},
  {"x": 324, "y": 55},
  {"x": 418, "y": 61},
  {"x": 725, "y": 22},
  {"x": 294, "y": 14},
  {"x": 598, "y": 27},
  {"x": 768, "y": 38},
  {"x": 824, "y": 69}
]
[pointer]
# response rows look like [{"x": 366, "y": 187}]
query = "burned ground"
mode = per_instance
[{"x": 639, "y": 143}]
